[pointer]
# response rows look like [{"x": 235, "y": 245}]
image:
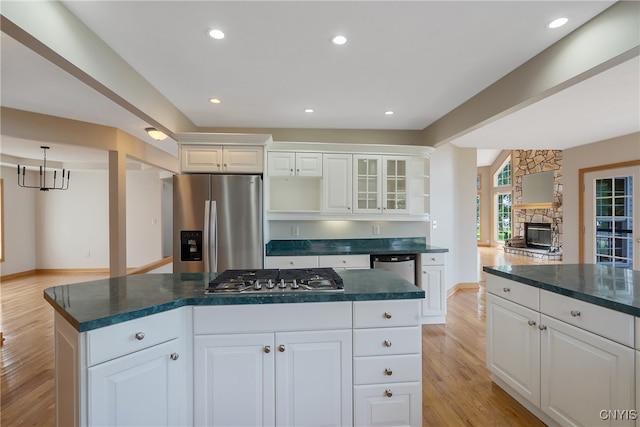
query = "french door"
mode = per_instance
[{"x": 611, "y": 218}]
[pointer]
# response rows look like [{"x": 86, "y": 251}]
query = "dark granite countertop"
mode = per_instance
[
  {"x": 391, "y": 246},
  {"x": 99, "y": 303},
  {"x": 614, "y": 288}
]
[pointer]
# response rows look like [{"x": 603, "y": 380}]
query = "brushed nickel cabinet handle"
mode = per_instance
[
  {"x": 388, "y": 372},
  {"x": 387, "y": 343},
  {"x": 575, "y": 313},
  {"x": 388, "y": 393},
  {"x": 506, "y": 289},
  {"x": 387, "y": 315},
  {"x": 139, "y": 336},
  {"x": 267, "y": 349},
  {"x": 281, "y": 348},
  {"x": 542, "y": 327},
  {"x": 174, "y": 356},
  {"x": 532, "y": 323}
]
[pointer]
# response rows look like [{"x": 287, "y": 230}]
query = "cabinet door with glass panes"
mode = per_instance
[
  {"x": 394, "y": 184},
  {"x": 367, "y": 172}
]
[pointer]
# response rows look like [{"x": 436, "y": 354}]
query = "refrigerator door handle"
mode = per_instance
[
  {"x": 214, "y": 237},
  {"x": 211, "y": 236},
  {"x": 207, "y": 239}
]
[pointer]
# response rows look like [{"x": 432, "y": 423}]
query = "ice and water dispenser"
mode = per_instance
[{"x": 191, "y": 245}]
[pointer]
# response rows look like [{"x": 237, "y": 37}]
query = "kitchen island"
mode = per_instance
[
  {"x": 564, "y": 340},
  {"x": 155, "y": 349}
]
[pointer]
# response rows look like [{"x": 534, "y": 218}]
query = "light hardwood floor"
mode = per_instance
[{"x": 457, "y": 386}]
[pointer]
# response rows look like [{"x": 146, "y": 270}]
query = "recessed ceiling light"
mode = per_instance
[
  {"x": 308, "y": 110},
  {"x": 388, "y": 113},
  {"x": 214, "y": 100},
  {"x": 557, "y": 22},
  {"x": 216, "y": 34},
  {"x": 339, "y": 40}
]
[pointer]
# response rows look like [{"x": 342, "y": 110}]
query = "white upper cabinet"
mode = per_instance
[
  {"x": 294, "y": 164},
  {"x": 367, "y": 180},
  {"x": 337, "y": 185},
  {"x": 381, "y": 184},
  {"x": 218, "y": 158}
]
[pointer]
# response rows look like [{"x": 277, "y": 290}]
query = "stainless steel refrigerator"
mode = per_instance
[{"x": 217, "y": 223}]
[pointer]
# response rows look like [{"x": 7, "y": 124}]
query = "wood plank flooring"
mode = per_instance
[{"x": 457, "y": 388}]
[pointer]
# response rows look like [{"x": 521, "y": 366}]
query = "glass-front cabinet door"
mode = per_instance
[
  {"x": 395, "y": 194},
  {"x": 368, "y": 184}
]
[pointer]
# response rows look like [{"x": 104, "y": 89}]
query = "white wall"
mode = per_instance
[
  {"x": 615, "y": 150},
  {"x": 72, "y": 226},
  {"x": 19, "y": 224},
  {"x": 144, "y": 217},
  {"x": 453, "y": 208}
]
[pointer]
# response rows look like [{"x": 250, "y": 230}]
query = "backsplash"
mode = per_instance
[{"x": 302, "y": 230}]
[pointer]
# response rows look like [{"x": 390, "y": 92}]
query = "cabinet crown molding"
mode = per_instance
[{"x": 326, "y": 147}]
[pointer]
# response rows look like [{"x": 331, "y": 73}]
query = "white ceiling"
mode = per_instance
[{"x": 420, "y": 59}]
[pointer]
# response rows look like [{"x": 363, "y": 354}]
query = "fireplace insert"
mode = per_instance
[{"x": 537, "y": 235}]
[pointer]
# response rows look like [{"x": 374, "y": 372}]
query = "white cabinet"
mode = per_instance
[
  {"x": 294, "y": 164},
  {"x": 235, "y": 380},
  {"x": 140, "y": 389},
  {"x": 387, "y": 363},
  {"x": 133, "y": 373},
  {"x": 337, "y": 183},
  {"x": 301, "y": 261},
  {"x": 344, "y": 262},
  {"x": 222, "y": 158},
  {"x": 582, "y": 374},
  {"x": 432, "y": 280},
  {"x": 293, "y": 369},
  {"x": 513, "y": 346},
  {"x": 381, "y": 184},
  {"x": 568, "y": 374}
]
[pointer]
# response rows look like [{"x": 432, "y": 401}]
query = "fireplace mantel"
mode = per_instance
[{"x": 545, "y": 205}]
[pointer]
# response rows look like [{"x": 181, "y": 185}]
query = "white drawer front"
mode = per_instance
[
  {"x": 226, "y": 319},
  {"x": 386, "y": 313},
  {"x": 344, "y": 261},
  {"x": 291, "y": 262},
  {"x": 387, "y": 369},
  {"x": 124, "y": 338},
  {"x": 432, "y": 258},
  {"x": 386, "y": 341},
  {"x": 397, "y": 404},
  {"x": 522, "y": 294},
  {"x": 599, "y": 320}
]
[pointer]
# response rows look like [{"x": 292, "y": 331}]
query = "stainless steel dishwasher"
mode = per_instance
[{"x": 402, "y": 265}]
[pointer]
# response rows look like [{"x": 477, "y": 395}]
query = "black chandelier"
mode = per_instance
[{"x": 64, "y": 184}]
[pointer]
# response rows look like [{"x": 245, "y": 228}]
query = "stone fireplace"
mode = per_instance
[{"x": 544, "y": 240}]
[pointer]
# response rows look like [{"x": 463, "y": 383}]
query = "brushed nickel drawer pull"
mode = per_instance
[
  {"x": 267, "y": 349},
  {"x": 506, "y": 289},
  {"x": 388, "y": 372},
  {"x": 388, "y": 393},
  {"x": 542, "y": 327},
  {"x": 174, "y": 356},
  {"x": 387, "y": 315},
  {"x": 139, "y": 336},
  {"x": 532, "y": 323},
  {"x": 575, "y": 313},
  {"x": 387, "y": 343},
  {"x": 281, "y": 348}
]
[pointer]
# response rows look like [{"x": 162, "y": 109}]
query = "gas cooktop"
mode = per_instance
[{"x": 276, "y": 281}]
